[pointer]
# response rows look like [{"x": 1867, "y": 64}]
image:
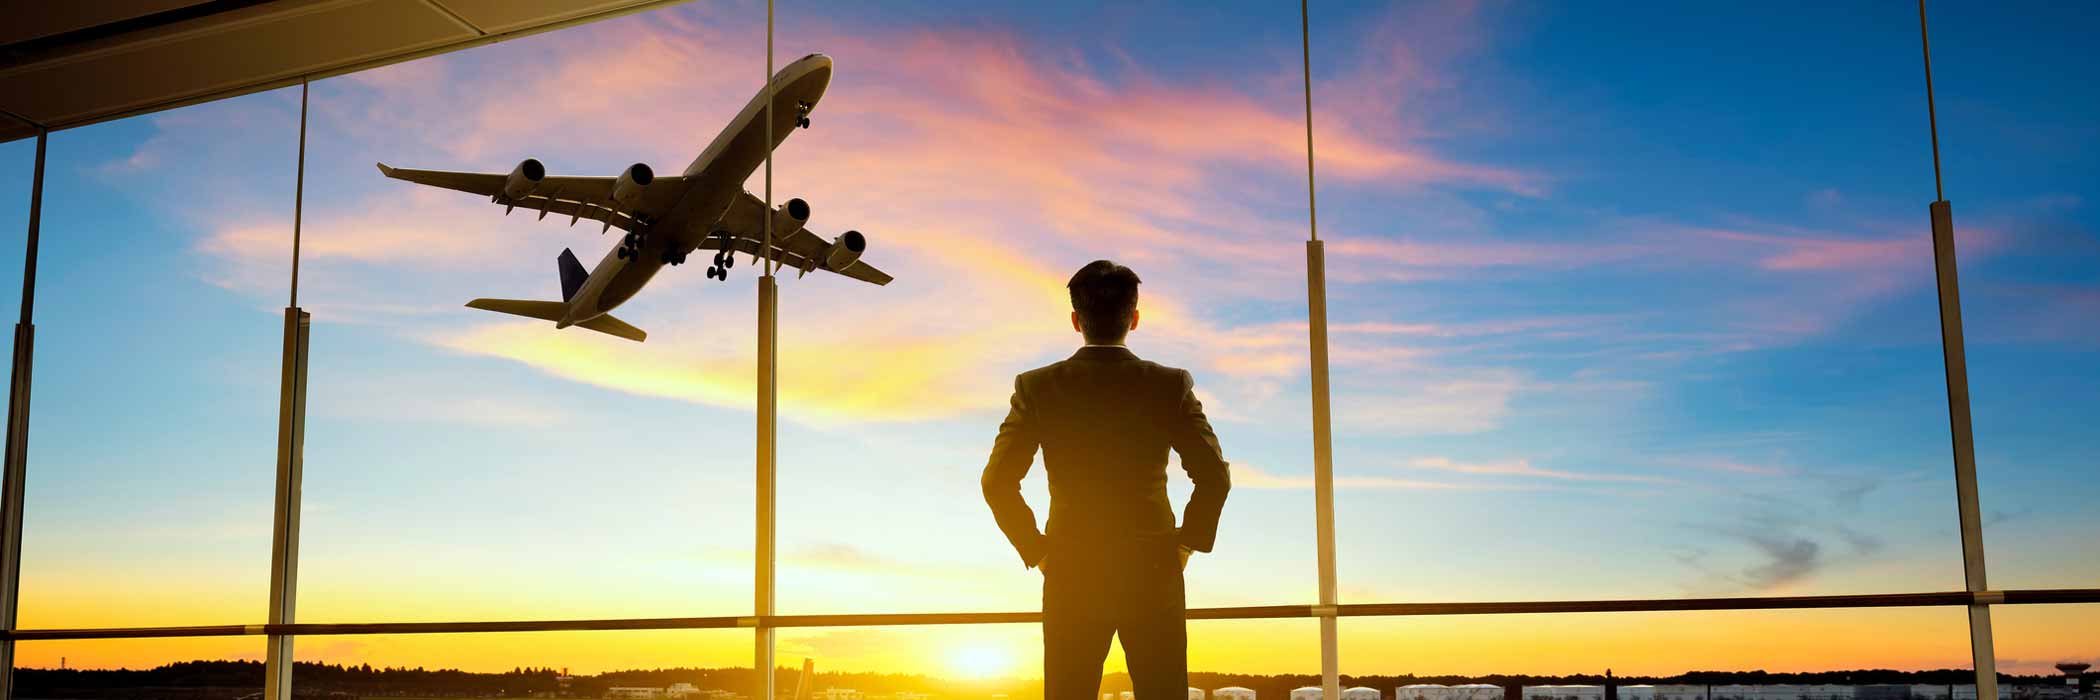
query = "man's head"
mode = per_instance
[{"x": 1104, "y": 302}]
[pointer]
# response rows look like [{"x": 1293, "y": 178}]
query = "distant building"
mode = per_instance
[
  {"x": 1889, "y": 691},
  {"x": 1423, "y": 691},
  {"x": 1680, "y": 692},
  {"x": 681, "y": 690},
  {"x": 841, "y": 694},
  {"x": 1310, "y": 692},
  {"x": 633, "y": 693},
  {"x": 1232, "y": 692},
  {"x": 1568, "y": 692},
  {"x": 1831, "y": 691},
  {"x": 1196, "y": 694},
  {"x": 1360, "y": 693},
  {"x": 1128, "y": 695},
  {"x": 1636, "y": 692}
]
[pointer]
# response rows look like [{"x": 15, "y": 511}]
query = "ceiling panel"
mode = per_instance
[
  {"x": 505, "y": 15},
  {"x": 76, "y": 66}
]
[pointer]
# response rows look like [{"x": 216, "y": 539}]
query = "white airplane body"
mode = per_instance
[{"x": 667, "y": 218}]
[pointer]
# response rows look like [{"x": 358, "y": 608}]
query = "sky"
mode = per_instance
[{"x": 1626, "y": 301}]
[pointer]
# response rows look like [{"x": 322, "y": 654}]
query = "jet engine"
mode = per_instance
[
  {"x": 627, "y": 191},
  {"x": 790, "y": 217},
  {"x": 845, "y": 251},
  {"x": 524, "y": 179}
]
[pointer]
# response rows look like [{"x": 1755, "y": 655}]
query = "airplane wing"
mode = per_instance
[
  {"x": 812, "y": 246},
  {"x": 575, "y": 197},
  {"x": 800, "y": 249}
]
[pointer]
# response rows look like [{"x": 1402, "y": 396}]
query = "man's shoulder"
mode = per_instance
[
  {"x": 1163, "y": 373},
  {"x": 1151, "y": 370}
]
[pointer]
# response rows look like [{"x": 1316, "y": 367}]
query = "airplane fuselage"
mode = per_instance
[{"x": 712, "y": 183}]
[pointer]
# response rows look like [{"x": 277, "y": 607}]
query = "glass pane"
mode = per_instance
[
  {"x": 182, "y": 668},
  {"x": 1779, "y": 654},
  {"x": 2016, "y": 132},
  {"x": 989, "y": 152},
  {"x": 152, "y": 446},
  {"x": 978, "y": 661},
  {"x": 464, "y": 464},
  {"x": 2038, "y": 644},
  {"x": 528, "y": 664},
  {"x": 1606, "y": 325}
]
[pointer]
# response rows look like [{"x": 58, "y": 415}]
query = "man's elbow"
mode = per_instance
[
  {"x": 1217, "y": 483},
  {"x": 993, "y": 485}
]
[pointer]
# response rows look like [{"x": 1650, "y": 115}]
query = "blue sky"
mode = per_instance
[{"x": 1629, "y": 301}]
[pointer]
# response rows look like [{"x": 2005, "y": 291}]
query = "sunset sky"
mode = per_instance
[{"x": 1627, "y": 301}]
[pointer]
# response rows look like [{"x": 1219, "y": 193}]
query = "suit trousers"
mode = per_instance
[{"x": 1090, "y": 598}]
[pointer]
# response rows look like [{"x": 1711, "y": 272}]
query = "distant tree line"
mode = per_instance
[{"x": 229, "y": 680}]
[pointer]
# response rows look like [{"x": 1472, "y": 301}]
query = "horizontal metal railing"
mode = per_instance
[{"x": 1876, "y": 600}]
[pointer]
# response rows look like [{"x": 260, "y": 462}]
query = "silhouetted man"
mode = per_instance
[{"x": 1112, "y": 559}]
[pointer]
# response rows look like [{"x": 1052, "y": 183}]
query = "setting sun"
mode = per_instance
[{"x": 980, "y": 661}]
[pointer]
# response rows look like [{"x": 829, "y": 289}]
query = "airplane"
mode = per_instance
[{"x": 667, "y": 218}]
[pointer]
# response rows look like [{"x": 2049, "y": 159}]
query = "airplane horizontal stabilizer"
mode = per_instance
[
  {"x": 543, "y": 310},
  {"x": 612, "y": 326},
  {"x": 552, "y": 311}
]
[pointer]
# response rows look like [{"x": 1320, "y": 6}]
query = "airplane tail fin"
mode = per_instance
[
  {"x": 572, "y": 274},
  {"x": 553, "y": 310}
]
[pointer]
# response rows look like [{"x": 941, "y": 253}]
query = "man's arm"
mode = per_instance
[
  {"x": 1013, "y": 452},
  {"x": 1205, "y": 464}
]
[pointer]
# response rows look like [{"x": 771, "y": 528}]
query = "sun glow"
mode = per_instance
[{"x": 980, "y": 661}]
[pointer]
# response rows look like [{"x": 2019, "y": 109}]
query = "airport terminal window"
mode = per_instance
[
  {"x": 996, "y": 660},
  {"x": 171, "y": 667},
  {"x": 1604, "y": 338},
  {"x": 152, "y": 446},
  {"x": 2022, "y": 189},
  {"x": 1759, "y": 649},
  {"x": 988, "y": 156},
  {"x": 1591, "y": 338},
  {"x": 698, "y": 664},
  {"x": 464, "y": 464},
  {"x": 2032, "y": 639}
]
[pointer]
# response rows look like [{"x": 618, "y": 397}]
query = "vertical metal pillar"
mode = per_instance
[
  {"x": 1981, "y": 646},
  {"x": 768, "y": 397},
  {"x": 768, "y": 325},
  {"x": 1323, "y": 433},
  {"x": 284, "y": 538},
  {"x": 1323, "y": 471},
  {"x": 17, "y": 456},
  {"x": 291, "y": 450}
]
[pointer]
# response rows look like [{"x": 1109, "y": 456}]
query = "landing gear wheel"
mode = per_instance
[
  {"x": 803, "y": 122},
  {"x": 625, "y": 252},
  {"x": 716, "y": 273}
]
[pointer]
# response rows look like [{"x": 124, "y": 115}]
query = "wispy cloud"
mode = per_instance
[
  {"x": 1524, "y": 468},
  {"x": 1252, "y": 477}
]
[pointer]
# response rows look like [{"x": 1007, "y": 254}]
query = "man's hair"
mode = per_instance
[{"x": 1104, "y": 295}]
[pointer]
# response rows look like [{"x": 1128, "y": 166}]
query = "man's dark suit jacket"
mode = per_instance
[{"x": 1105, "y": 420}]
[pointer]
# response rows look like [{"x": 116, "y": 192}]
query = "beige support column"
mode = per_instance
[{"x": 17, "y": 456}]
